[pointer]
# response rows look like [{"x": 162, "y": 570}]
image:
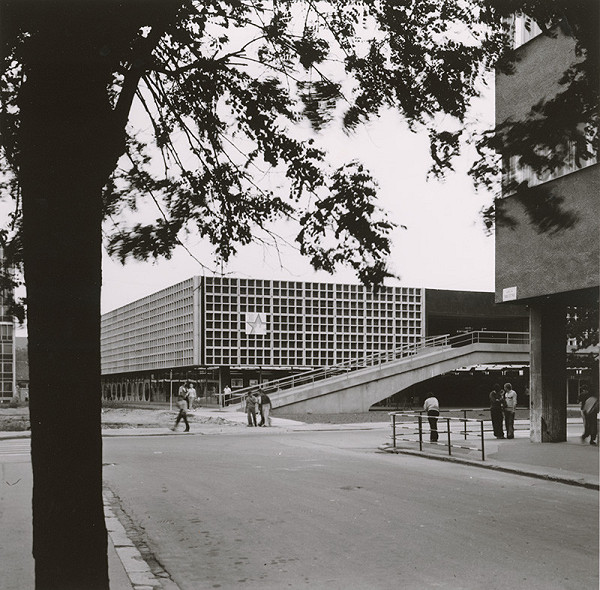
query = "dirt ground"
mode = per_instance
[{"x": 17, "y": 419}]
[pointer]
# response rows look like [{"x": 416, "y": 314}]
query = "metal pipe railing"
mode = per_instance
[{"x": 401, "y": 420}]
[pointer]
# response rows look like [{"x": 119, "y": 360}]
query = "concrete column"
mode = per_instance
[{"x": 548, "y": 373}]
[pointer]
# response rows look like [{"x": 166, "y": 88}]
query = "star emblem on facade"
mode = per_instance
[{"x": 256, "y": 323}]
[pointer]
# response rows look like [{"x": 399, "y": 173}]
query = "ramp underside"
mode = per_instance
[{"x": 358, "y": 390}]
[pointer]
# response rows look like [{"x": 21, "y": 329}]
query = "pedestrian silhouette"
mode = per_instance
[{"x": 497, "y": 410}]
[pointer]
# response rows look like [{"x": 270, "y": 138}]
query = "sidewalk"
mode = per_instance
[
  {"x": 15, "y": 516},
  {"x": 571, "y": 462}
]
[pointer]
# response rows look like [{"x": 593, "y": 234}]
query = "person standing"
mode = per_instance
[
  {"x": 510, "y": 406},
  {"x": 265, "y": 409},
  {"x": 226, "y": 396},
  {"x": 589, "y": 409},
  {"x": 583, "y": 395},
  {"x": 182, "y": 404},
  {"x": 496, "y": 410},
  {"x": 251, "y": 403},
  {"x": 191, "y": 396},
  {"x": 432, "y": 407}
]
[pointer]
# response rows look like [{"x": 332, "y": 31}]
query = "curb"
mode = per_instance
[
  {"x": 574, "y": 481},
  {"x": 138, "y": 572}
]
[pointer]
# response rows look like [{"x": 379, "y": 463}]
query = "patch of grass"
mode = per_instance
[
  {"x": 113, "y": 404},
  {"x": 17, "y": 404},
  {"x": 16, "y": 424}
]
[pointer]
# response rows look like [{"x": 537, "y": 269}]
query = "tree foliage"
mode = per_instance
[
  {"x": 582, "y": 327},
  {"x": 223, "y": 84}
]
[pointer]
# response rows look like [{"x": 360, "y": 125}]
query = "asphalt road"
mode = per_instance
[{"x": 325, "y": 510}]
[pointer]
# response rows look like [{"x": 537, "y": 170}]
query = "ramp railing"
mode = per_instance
[{"x": 424, "y": 346}]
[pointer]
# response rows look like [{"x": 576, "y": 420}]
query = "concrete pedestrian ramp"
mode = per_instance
[{"x": 355, "y": 388}]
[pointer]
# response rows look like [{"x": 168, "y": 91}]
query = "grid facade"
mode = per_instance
[
  {"x": 7, "y": 360},
  {"x": 250, "y": 323},
  {"x": 7, "y": 343},
  {"x": 304, "y": 324},
  {"x": 156, "y": 332}
]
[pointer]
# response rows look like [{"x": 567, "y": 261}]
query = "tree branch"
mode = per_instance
[{"x": 140, "y": 61}]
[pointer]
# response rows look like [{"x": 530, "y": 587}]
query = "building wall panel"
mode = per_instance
[
  {"x": 152, "y": 333},
  {"x": 531, "y": 262}
]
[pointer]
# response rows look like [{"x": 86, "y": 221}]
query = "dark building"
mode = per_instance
[
  {"x": 455, "y": 312},
  {"x": 548, "y": 271}
]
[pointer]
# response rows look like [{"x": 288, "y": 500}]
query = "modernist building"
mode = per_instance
[
  {"x": 218, "y": 331},
  {"x": 548, "y": 271},
  {"x": 7, "y": 347}
]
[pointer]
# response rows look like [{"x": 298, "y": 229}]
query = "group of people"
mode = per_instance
[
  {"x": 262, "y": 403},
  {"x": 186, "y": 397},
  {"x": 503, "y": 403}
]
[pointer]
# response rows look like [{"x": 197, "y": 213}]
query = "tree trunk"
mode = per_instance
[
  {"x": 69, "y": 141},
  {"x": 67, "y": 153}
]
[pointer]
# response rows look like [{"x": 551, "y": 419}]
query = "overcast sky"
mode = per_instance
[{"x": 444, "y": 245}]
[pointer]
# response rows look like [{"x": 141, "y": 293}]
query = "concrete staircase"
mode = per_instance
[{"x": 356, "y": 386}]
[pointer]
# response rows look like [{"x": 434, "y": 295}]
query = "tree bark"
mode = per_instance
[
  {"x": 68, "y": 149},
  {"x": 69, "y": 142}
]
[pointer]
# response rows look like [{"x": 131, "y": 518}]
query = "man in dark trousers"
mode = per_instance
[
  {"x": 432, "y": 407},
  {"x": 497, "y": 410},
  {"x": 265, "y": 409},
  {"x": 589, "y": 410},
  {"x": 251, "y": 403},
  {"x": 182, "y": 404}
]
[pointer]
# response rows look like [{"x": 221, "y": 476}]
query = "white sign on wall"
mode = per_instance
[
  {"x": 256, "y": 323},
  {"x": 509, "y": 294}
]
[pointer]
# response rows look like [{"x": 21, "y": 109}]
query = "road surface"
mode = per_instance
[{"x": 324, "y": 510}]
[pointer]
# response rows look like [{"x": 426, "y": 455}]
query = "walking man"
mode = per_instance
[
  {"x": 182, "y": 404},
  {"x": 265, "y": 409},
  {"x": 589, "y": 409}
]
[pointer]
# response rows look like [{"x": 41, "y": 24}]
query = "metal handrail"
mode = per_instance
[
  {"x": 465, "y": 422},
  {"x": 313, "y": 375},
  {"x": 425, "y": 345}
]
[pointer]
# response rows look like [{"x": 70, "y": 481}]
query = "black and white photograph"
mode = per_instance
[{"x": 299, "y": 294}]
